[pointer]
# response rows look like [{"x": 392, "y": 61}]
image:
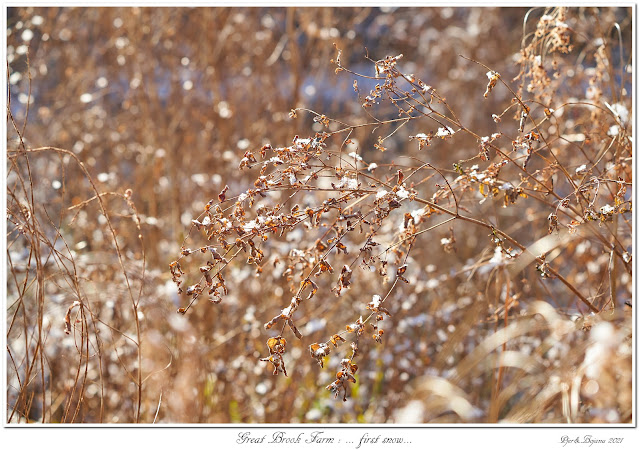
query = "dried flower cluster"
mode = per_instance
[{"x": 348, "y": 199}]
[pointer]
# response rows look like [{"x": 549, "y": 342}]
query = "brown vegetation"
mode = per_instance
[{"x": 439, "y": 235}]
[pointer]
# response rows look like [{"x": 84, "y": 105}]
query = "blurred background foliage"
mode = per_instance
[{"x": 165, "y": 102}]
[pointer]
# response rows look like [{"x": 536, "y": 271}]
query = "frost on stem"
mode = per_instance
[
  {"x": 67, "y": 316},
  {"x": 492, "y": 81},
  {"x": 319, "y": 351}
]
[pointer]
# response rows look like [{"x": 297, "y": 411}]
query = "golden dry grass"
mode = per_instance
[{"x": 447, "y": 233}]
